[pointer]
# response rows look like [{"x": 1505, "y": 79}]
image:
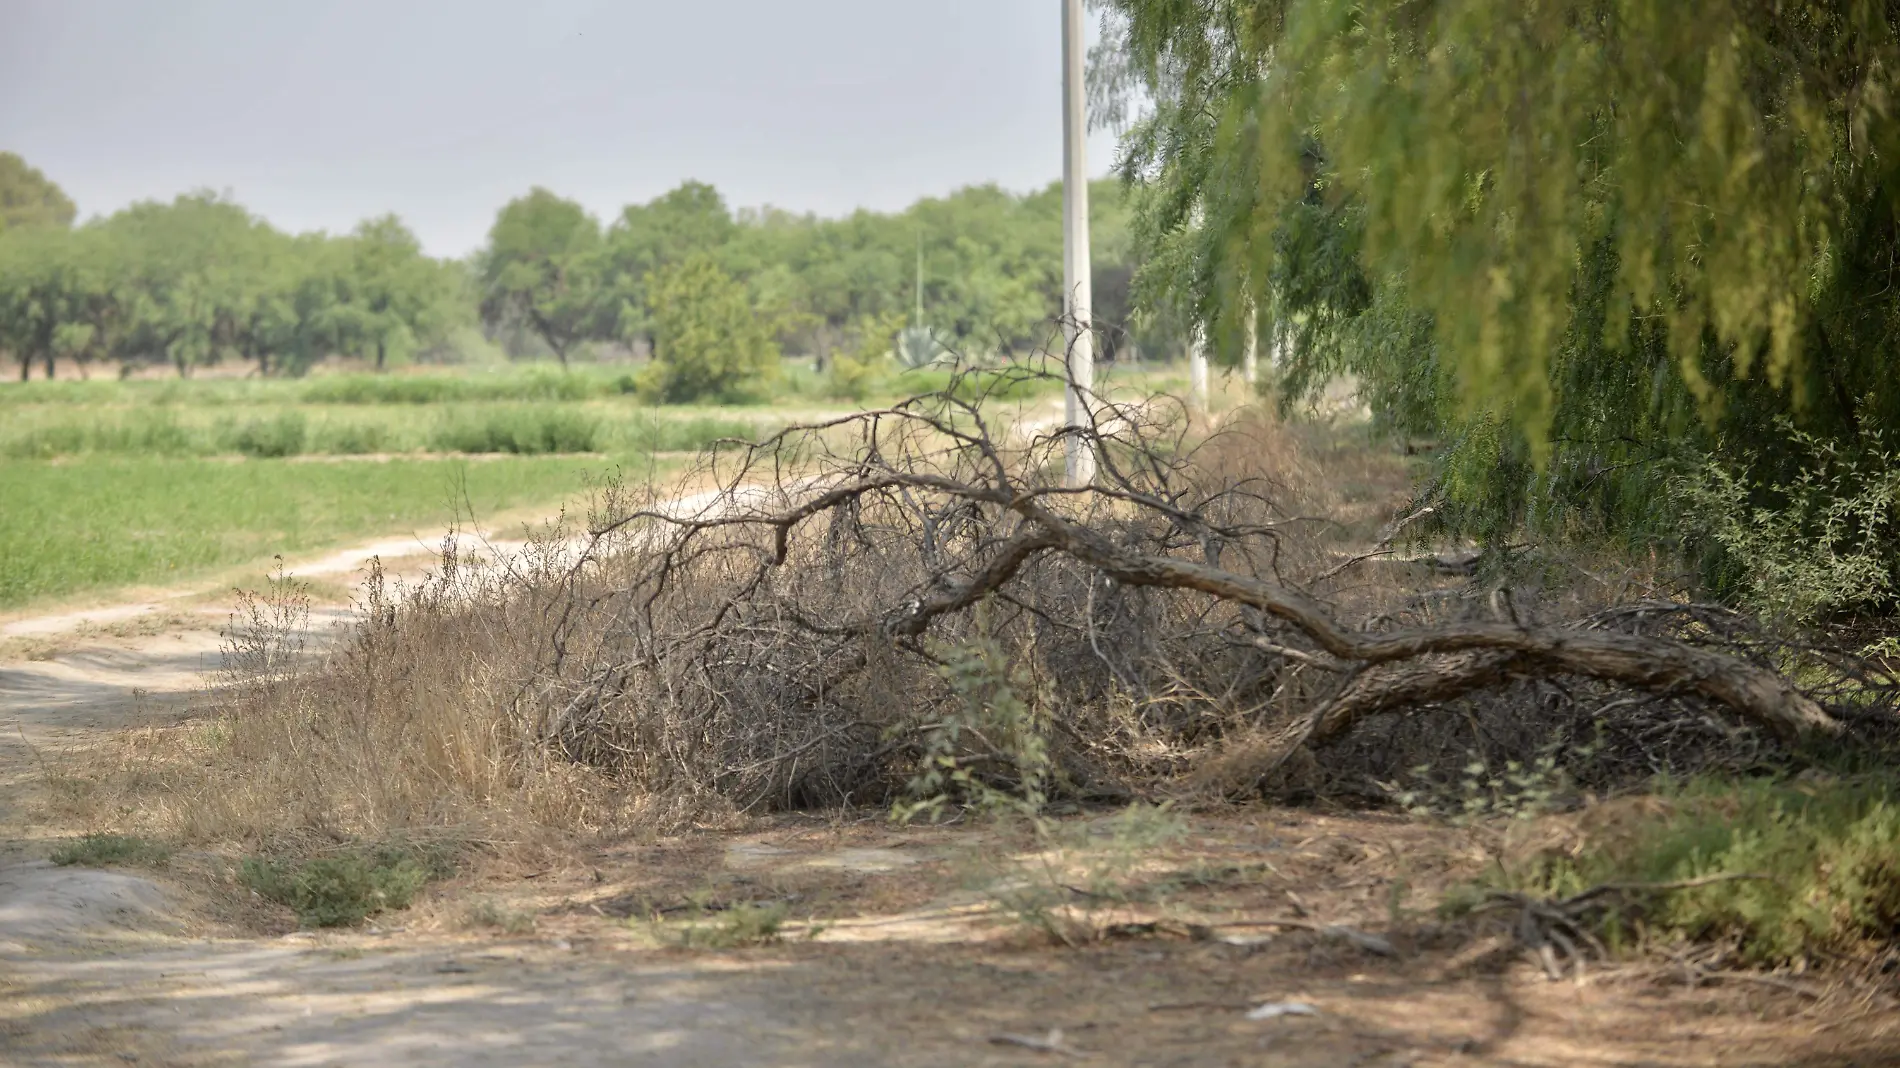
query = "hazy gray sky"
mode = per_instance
[{"x": 318, "y": 113}]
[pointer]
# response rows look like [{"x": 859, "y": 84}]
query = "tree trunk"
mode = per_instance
[
  {"x": 382, "y": 354},
  {"x": 49, "y": 364}
]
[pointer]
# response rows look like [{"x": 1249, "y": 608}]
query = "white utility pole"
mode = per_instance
[
  {"x": 1079, "y": 468},
  {"x": 1250, "y": 359},
  {"x": 1197, "y": 372}
]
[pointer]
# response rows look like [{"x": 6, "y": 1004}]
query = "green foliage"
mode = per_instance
[
  {"x": 283, "y": 434},
  {"x": 340, "y": 890},
  {"x": 990, "y": 754},
  {"x": 655, "y": 434},
  {"x": 1517, "y": 790},
  {"x": 545, "y": 264},
  {"x": 1820, "y": 860},
  {"x": 199, "y": 281},
  {"x": 389, "y": 296},
  {"x": 1588, "y": 244},
  {"x": 533, "y": 384},
  {"x": 1078, "y": 874},
  {"x": 1829, "y": 541},
  {"x": 112, "y": 850},
  {"x": 487, "y": 913},
  {"x": 28, "y": 198},
  {"x": 526, "y": 431},
  {"x": 743, "y": 924},
  {"x": 854, "y": 373},
  {"x": 709, "y": 340}
]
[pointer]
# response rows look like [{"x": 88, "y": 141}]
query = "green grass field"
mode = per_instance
[{"x": 83, "y": 525}]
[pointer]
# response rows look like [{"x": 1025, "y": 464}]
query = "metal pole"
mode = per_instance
[
  {"x": 1250, "y": 360},
  {"x": 1197, "y": 373},
  {"x": 1079, "y": 466}
]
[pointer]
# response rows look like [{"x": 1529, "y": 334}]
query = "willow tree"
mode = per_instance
[{"x": 1589, "y": 242}]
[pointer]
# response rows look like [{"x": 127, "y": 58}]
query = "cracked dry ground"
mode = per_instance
[{"x": 901, "y": 962}]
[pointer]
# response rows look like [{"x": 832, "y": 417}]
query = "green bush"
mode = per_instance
[
  {"x": 524, "y": 431},
  {"x": 530, "y": 384},
  {"x": 654, "y": 434},
  {"x": 1823, "y": 541},
  {"x": 1816, "y": 866},
  {"x": 711, "y": 341},
  {"x": 104, "y": 850},
  {"x": 352, "y": 439},
  {"x": 141, "y": 432},
  {"x": 283, "y": 434},
  {"x": 340, "y": 890}
]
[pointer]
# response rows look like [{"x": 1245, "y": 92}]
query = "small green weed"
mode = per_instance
[
  {"x": 487, "y": 913},
  {"x": 743, "y": 924},
  {"x": 344, "y": 889},
  {"x": 1080, "y": 873},
  {"x": 993, "y": 729},
  {"x": 1517, "y": 790},
  {"x": 110, "y": 850}
]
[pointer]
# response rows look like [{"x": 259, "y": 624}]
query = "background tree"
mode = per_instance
[
  {"x": 29, "y": 198},
  {"x": 545, "y": 264},
  {"x": 36, "y": 267},
  {"x": 710, "y": 341},
  {"x": 691, "y": 220},
  {"x": 391, "y": 297}
]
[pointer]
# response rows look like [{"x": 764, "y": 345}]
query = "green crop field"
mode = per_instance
[
  {"x": 71, "y": 527},
  {"x": 106, "y": 484}
]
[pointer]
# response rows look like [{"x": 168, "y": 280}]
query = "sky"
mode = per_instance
[{"x": 319, "y": 114}]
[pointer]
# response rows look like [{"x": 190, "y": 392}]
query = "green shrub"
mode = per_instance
[
  {"x": 340, "y": 890},
  {"x": 283, "y": 434},
  {"x": 352, "y": 439},
  {"x": 530, "y": 384},
  {"x": 524, "y": 431},
  {"x": 105, "y": 850},
  {"x": 657, "y": 434},
  {"x": 711, "y": 340},
  {"x": 1821, "y": 542},
  {"x": 143, "y": 432},
  {"x": 1817, "y": 866}
]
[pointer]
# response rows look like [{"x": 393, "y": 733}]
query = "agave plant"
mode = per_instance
[{"x": 919, "y": 346}]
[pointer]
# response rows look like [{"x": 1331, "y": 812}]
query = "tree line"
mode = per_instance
[{"x": 712, "y": 294}]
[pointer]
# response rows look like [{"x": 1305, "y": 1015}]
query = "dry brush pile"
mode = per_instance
[{"x": 907, "y": 604}]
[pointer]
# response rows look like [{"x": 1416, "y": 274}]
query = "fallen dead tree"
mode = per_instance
[
  {"x": 906, "y": 603},
  {"x": 841, "y": 560}
]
